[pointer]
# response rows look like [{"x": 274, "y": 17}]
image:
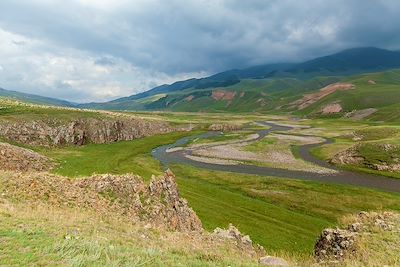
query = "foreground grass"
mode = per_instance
[
  {"x": 115, "y": 158},
  {"x": 39, "y": 234}
]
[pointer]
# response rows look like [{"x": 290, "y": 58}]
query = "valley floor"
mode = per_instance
[{"x": 285, "y": 216}]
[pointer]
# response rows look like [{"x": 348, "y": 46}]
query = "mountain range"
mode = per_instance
[{"x": 266, "y": 88}]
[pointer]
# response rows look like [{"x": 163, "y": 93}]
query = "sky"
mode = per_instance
[{"x": 98, "y": 50}]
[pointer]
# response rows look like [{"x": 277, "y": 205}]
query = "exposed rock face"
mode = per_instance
[
  {"x": 348, "y": 156},
  {"x": 81, "y": 131},
  {"x": 243, "y": 242},
  {"x": 175, "y": 212},
  {"x": 335, "y": 244},
  {"x": 224, "y": 127},
  {"x": 15, "y": 158},
  {"x": 340, "y": 244},
  {"x": 223, "y": 95},
  {"x": 157, "y": 204}
]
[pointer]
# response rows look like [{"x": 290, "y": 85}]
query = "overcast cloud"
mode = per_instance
[{"x": 96, "y": 50}]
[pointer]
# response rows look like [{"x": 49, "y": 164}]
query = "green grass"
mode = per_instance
[
  {"x": 219, "y": 138},
  {"x": 39, "y": 234},
  {"x": 377, "y": 133},
  {"x": 260, "y": 145},
  {"x": 115, "y": 158},
  {"x": 11, "y": 110},
  {"x": 280, "y": 214}
]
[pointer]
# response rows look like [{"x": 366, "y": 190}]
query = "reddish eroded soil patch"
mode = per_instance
[
  {"x": 223, "y": 95},
  {"x": 332, "y": 108},
  {"x": 189, "y": 98},
  {"x": 310, "y": 99}
]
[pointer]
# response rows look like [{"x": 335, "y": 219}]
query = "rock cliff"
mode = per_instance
[{"x": 80, "y": 131}]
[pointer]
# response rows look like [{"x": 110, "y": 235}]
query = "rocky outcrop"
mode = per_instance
[
  {"x": 349, "y": 156},
  {"x": 224, "y": 127},
  {"x": 352, "y": 156},
  {"x": 13, "y": 158},
  {"x": 175, "y": 212},
  {"x": 80, "y": 131},
  {"x": 364, "y": 230},
  {"x": 335, "y": 244},
  {"x": 157, "y": 204},
  {"x": 243, "y": 242}
]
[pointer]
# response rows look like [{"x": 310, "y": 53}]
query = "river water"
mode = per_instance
[{"x": 339, "y": 177}]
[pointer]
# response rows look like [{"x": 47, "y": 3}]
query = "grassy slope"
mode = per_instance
[
  {"x": 384, "y": 95},
  {"x": 12, "y": 110},
  {"x": 258, "y": 95},
  {"x": 266, "y": 95},
  {"x": 35, "y": 99}
]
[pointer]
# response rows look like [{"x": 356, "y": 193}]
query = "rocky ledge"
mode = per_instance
[
  {"x": 156, "y": 204},
  {"x": 80, "y": 131}
]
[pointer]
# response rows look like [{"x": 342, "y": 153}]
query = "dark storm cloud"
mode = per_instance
[{"x": 169, "y": 38}]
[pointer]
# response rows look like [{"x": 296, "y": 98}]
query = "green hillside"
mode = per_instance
[
  {"x": 377, "y": 90},
  {"x": 34, "y": 99},
  {"x": 380, "y": 91}
]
